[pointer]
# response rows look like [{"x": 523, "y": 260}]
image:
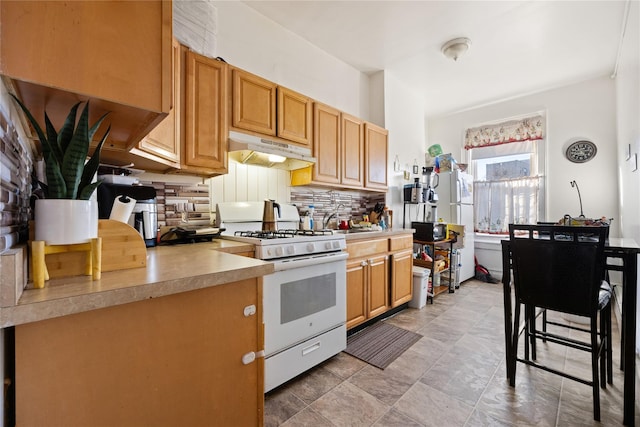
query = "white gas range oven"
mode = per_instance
[{"x": 304, "y": 300}]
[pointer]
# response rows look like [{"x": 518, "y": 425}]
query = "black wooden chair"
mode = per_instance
[{"x": 561, "y": 268}]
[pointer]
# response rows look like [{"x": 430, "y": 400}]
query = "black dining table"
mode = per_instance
[{"x": 626, "y": 250}]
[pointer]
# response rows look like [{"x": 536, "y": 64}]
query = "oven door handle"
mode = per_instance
[{"x": 288, "y": 264}]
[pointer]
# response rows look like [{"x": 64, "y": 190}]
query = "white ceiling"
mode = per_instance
[{"x": 518, "y": 47}]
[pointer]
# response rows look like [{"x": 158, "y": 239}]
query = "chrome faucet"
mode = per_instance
[{"x": 325, "y": 220}]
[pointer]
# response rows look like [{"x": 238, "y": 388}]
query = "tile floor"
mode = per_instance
[{"x": 453, "y": 376}]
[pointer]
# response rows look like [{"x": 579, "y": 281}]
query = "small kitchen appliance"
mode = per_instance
[
  {"x": 144, "y": 217},
  {"x": 429, "y": 231},
  {"x": 430, "y": 181},
  {"x": 304, "y": 300},
  {"x": 269, "y": 219}
]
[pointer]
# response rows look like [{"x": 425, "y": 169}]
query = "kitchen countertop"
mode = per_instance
[
  {"x": 169, "y": 270},
  {"x": 359, "y": 235}
]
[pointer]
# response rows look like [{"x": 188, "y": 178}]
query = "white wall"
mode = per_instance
[
  {"x": 628, "y": 132},
  {"x": 583, "y": 110},
  {"x": 256, "y": 44},
  {"x": 248, "y": 40},
  {"x": 404, "y": 118}
]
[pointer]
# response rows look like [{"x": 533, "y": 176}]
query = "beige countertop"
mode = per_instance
[
  {"x": 169, "y": 270},
  {"x": 374, "y": 234}
]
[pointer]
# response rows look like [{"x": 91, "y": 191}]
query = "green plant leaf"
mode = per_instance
[
  {"x": 56, "y": 186},
  {"x": 76, "y": 154},
  {"x": 96, "y": 125},
  {"x": 43, "y": 139},
  {"x": 87, "y": 190},
  {"x": 86, "y": 186},
  {"x": 52, "y": 137},
  {"x": 66, "y": 131}
]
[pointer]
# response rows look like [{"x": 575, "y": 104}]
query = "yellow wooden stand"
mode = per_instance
[{"x": 93, "y": 264}]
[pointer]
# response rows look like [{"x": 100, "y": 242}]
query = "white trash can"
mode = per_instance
[{"x": 420, "y": 285}]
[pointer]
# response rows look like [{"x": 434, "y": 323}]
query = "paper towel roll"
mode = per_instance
[{"x": 122, "y": 208}]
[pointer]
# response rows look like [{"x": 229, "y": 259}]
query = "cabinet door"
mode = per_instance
[
  {"x": 378, "y": 300},
  {"x": 356, "y": 292},
  {"x": 401, "y": 277},
  {"x": 117, "y": 54},
  {"x": 205, "y": 118},
  {"x": 352, "y": 148},
  {"x": 294, "y": 116},
  {"x": 326, "y": 145},
  {"x": 171, "y": 360},
  {"x": 254, "y": 103},
  {"x": 376, "y": 157},
  {"x": 164, "y": 140}
]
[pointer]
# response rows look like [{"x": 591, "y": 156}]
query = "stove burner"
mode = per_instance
[
  {"x": 314, "y": 232},
  {"x": 282, "y": 234},
  {"x": 267, "y": 234}
]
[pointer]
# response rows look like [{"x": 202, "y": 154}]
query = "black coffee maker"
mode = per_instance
[{"x": 144, "y": 217}]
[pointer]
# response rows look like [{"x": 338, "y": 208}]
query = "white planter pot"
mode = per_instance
[{"x": 66, "y": 222}]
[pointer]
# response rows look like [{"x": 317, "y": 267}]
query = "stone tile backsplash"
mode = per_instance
[
  {"x": 180, "y": 203},
  {"x": 345, "y": 204}
]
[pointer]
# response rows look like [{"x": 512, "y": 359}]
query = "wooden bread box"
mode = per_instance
[{"x": 122, "y": 248}]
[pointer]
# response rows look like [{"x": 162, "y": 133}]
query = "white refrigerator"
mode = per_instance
[{"x": 455, "y": 206}]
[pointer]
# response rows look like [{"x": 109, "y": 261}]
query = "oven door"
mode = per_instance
[{"x": 304, "y": 297}]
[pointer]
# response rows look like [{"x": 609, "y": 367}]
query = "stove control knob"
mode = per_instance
[
  {"x": 310, "y": 247},
  {"x": 328, "y": 246},
  {"x": 269, "y": 252},
  {"x": 336, "y": 245},
  {"x": 291, "y": 250},
  {"x": 279, "y": 251}
]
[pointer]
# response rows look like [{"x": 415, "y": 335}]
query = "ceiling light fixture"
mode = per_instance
[{"x": 453, "y": 49}]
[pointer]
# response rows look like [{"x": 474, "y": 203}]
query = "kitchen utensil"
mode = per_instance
[{"x": 269, "y": 219}]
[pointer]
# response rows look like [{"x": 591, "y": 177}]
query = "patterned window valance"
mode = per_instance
[{"x": 527, "y": 129}]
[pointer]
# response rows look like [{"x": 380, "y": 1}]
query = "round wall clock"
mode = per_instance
[{"x": 581, "y": 151}]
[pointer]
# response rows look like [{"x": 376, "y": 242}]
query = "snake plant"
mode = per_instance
[{"x": 65, "y": 153}]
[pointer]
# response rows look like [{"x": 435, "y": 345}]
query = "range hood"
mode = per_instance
[{"x": 253, "y": 150}]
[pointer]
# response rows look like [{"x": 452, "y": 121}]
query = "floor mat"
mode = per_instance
[{"x": 380, "y": 344}]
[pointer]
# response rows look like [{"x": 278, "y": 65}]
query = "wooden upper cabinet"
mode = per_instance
[
  {"x": 254, "y": 103},
  {"x": 376, "y": 157},
  {"x": 326, "y": 147},
  {"x": 115, "y": 54},
  {"x": 352, "y": 151},
  {"x": 294, "y": 116},
  {"x": 164, "y": 140},
  {"x": 204, "y": 150},
  {"x": 261, "y": 106}
]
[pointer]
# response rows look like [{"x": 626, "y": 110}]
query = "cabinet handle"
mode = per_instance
[
  {"x": 311, "y": 348},
  {"x": 364, "y": 263},
  {"x": 250, "y": 357}
]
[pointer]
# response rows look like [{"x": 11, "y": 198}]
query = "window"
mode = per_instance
[{"x": 507, "y": 172}]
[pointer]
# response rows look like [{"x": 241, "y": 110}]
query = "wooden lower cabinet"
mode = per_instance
[
  {"x": 402, "y": 277},
  {"x": 168, "y": 361},
  {"x": 379, "y": 277},
  {"x": 378, "y": 285},
  {"x": 367, "y": 289},
  {"x": 357, "y": 311}
]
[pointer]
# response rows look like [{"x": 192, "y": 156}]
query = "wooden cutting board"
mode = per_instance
[{"x": 122, "y": 248}]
